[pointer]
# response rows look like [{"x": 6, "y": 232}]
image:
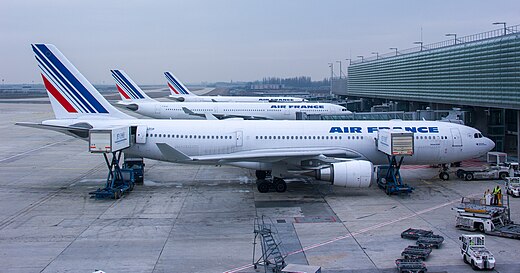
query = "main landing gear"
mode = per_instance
[{"x": 266, "y": 182}]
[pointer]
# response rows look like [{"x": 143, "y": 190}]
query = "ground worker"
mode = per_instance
[
  {"x": 499, "y": 196},
  {"x": 487, "y": 197}
]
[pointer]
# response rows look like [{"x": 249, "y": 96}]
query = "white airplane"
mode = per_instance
[
  {"x": 136, "y": 100},
  {"x": 342, "y": 152},
  {"x": 179, "y": 92}
]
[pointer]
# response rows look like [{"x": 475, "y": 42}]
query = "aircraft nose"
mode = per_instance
[{"x": 490, "y": 143}]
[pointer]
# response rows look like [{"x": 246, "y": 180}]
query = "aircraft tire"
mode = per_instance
[
  {"x": 263, "y": 186},
  {"x": 280, "y": 185},
  {"x": 503, "y": 176},
  {"x": 468, "y": 177},
  {"x": 444, "y": 176}
]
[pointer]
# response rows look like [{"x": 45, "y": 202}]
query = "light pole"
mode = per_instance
[
  {"x": 340, "y": 69},
  {"x": 394, "y": 48},
  {"x": 501, "y": 23},
  {"x": 419, "y": 43},
  {"x": 377, "y": 55},
  {"x": 331, "y": 65},
  {"x": 362, "y": 58},
  {"x": 454, "y": 35}
]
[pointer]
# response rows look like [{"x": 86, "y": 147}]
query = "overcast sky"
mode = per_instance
[{"x": 239, "y": 40}]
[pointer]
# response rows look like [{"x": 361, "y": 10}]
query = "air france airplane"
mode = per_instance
[
  {"x": 136, "y": 100},
  {"x": 342, "y": 152},
  {"x": 179, "y": 92}
]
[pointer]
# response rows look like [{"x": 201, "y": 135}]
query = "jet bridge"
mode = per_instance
[
  {"x": 395, "y": 144},
  {"x": 113, "y": 141}
]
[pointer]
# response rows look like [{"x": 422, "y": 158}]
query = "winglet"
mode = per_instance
[{"x": 172, "y": 154}]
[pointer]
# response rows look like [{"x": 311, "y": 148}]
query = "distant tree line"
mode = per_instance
[{"x": 302, "y": 81}]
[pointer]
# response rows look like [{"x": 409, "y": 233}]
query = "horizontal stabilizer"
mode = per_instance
[{"x": 80, "y": 130}]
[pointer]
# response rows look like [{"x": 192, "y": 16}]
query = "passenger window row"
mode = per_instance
[
  {"x": 188, "y": 136},
  {"x": 307, "y": 137},
  {"x": 431, "y": 137}
]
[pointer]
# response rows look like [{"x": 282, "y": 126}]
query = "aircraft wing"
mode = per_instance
[
  {"x": 262, "y": 155},
  {"x": 217, "y": 116}
]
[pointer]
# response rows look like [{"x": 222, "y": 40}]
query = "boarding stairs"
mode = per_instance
[{"x": 271, "y": 246}]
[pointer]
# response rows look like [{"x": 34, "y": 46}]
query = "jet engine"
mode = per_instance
[{"x": 349, "y": 174}]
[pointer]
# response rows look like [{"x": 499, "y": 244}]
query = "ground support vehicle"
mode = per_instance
[
  {"x": 475, "y": 253},
  {"x": 394, "y": 143},
  {"x": 430, "y": 241},
  {"x": 137, "y": 166},
  {"x": 389, "y": 177},
  {"x": 414, "y": 234},
  {"x": 119, "y": 180},
  {"x": 492, "y": 220},
  {"x": 491, "y": 172},
  {"x": 410, "y": 266},
  {"x": 416, "y": 252},
  {"x": 513, "y": 186}
]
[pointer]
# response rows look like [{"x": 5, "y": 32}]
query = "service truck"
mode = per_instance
[{"x": 488, "y": 219}]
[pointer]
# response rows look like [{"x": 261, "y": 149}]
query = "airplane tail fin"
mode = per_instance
[
  {"x": 71, "y": 94},
  {"x": 128, "y": 89},
  {"x": 176, "y": 86}
]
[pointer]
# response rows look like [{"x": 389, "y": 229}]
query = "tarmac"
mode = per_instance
[{"x": 188, "y": 218}]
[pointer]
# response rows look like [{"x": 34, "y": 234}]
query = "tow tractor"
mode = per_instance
[
  {"x": 513, "y": 186},
  {"x": 475, "y": 215},
  {"x": 475, "y": 253},
  {"x": 394, "y": 143},
  {"x": 113, "y": 141},
  {"x": 497, "y": 168}
]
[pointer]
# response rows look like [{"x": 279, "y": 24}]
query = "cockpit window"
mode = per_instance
[{"x": 478, "y": 135}]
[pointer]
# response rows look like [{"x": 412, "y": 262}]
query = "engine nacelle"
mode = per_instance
[{"x": 351, "y": 174}]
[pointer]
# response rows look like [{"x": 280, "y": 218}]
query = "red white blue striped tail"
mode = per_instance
[
  {"x": 70, "y": 93},
  {"x": 128, "y": 89},
  {"x": 176, "y": 86}
]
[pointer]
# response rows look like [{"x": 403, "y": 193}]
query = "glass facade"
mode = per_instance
[{"x": 482, "y": 73}]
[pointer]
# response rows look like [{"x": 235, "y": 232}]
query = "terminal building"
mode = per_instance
[{"x": 480, "y": 74}]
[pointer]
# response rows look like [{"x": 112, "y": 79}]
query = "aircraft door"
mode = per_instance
[
  {"x": 140, "y": 137},
  {"x": 456, "y": 137},
  {"x": 239, "y": 138},
  {"x": 157, "y": 108}
]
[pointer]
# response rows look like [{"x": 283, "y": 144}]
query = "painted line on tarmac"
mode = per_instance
[
  {"x": 33, "y": 150},
  {"x": 237, "y": 269}
]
